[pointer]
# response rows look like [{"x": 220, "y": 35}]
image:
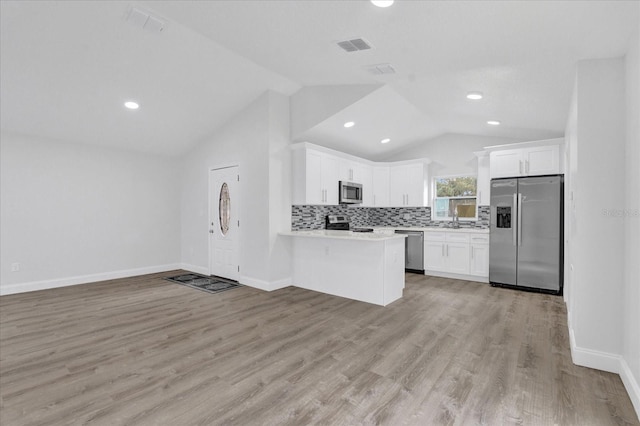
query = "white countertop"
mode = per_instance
[
  {"x": 434, "y": 229},
  {"x": 343, "y": 235}
]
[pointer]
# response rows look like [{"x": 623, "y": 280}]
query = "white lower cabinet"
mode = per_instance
[
  {"x": 434, "y": 256},
  {"x": 479, "y": 262},
  {"x": 458, "y": 258},
  {"x": 457, "y": 254},
  {"x": 446, "y": 252},
  {"x": 479, "y": 255}
]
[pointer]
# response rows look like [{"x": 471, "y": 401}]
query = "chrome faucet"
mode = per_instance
[{"x": 455, "y": 222}]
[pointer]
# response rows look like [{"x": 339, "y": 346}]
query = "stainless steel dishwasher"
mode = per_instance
[{"x": 414, "y": 251}]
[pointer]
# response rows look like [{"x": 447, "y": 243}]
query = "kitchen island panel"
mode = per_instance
[{"x": 367, "y": 270}]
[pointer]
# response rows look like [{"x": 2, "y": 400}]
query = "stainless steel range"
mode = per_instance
[{"x": 335, "y": 222}]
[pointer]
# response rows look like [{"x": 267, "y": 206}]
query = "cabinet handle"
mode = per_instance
[
  {"x": 407, "y": 199},
  {"x": 479, "y": 197},
  {"x": 472, "y": 252},
  {"x": 520, "y": 167},
  {"x": 526, "y": 166}
]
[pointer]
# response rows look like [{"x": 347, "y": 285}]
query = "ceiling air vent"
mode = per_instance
[
  {"x": 379, "y": 69},
  {"x": 354, "y": 45},
  {"x": 146, "y": 20}
]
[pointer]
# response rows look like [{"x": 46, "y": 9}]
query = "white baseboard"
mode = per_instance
[
  {"x": 264, "y": 285},
  {"x": 194, "y": 268},
  {"x": 243, "y": 279},
  {"x": 464, "y": 277},
  {"x": 607, "y": 362},
  {"x": 631, "y": 384},
  {"x": 84, "y": 279},
  {"x": 599, "y": 360}
]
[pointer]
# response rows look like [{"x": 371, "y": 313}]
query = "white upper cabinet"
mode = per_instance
[
  {"x": 380, "y": 187},
  {"x": 544, "y": 160},
  {"x": 352, "y": 171},
  {"x": 483, "y": 180},
  {"x": 365, "y": 177},
  {"x": 407, "y": 183},
  {"x": 531, "y": 161},
  {"x": 317, "y": 171},
  {"x": 315, "y": 177}
]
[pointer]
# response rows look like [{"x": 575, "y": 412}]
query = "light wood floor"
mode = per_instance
[{"x": 145, "y": 351}]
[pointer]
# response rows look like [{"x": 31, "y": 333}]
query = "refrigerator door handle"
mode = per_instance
[
  {"x": 515, "y": 206},
  {"x": 519, "y": 219}
]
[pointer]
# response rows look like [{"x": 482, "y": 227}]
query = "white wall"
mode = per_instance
[
  {"x": 597, "y": 246},
  {"x": 312, "y": 105},
  {"x": 604, "y": 189},
  {"x": 253, "y": 139},
  {"x": 280, "y": 189},
  {"x": 631, "y": 292},
  {"x": 452, "y": 154},
  {"x": 73, "y": 213},
  {"x": 570, "y": 185}
]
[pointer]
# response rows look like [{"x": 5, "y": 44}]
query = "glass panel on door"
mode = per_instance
[{"x": 224, "y": 208}]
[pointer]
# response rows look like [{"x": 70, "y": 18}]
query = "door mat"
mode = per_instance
[{"x": 204, "y": 283}]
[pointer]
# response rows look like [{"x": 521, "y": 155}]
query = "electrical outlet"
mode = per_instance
[{"x": 15, "y": 267}]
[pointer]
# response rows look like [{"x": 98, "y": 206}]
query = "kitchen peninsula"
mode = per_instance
[{"x": 361, "y": 266}]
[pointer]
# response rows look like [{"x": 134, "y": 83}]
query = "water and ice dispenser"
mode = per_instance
[{"x": 503, "y": 219}]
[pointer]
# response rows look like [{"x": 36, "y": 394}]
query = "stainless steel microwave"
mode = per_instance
[{"x": 349, "y": 192}]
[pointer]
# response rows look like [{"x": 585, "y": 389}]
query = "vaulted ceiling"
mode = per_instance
[{"x": 67, "y": 67}]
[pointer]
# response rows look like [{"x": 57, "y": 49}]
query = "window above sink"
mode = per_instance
[{"x": 455, "y": 196}]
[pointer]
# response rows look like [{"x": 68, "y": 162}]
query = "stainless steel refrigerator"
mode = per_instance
[{"x": 526, "y": 233}]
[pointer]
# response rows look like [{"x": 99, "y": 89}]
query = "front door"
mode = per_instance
[{"x": 224, "y": 185}]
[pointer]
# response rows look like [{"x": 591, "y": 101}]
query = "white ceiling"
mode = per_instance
[{"x": 68, "y": 66}]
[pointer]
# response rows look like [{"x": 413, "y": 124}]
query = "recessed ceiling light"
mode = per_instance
[
  {"x": 349, "y": 124},
  {"x": 493, "y": 122},
  {"x": 386, "y": 140},
  {"x": 382, "y": 3},
  {"x": 131, "y": 105},
  {"x": 474, "y": 96}
]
